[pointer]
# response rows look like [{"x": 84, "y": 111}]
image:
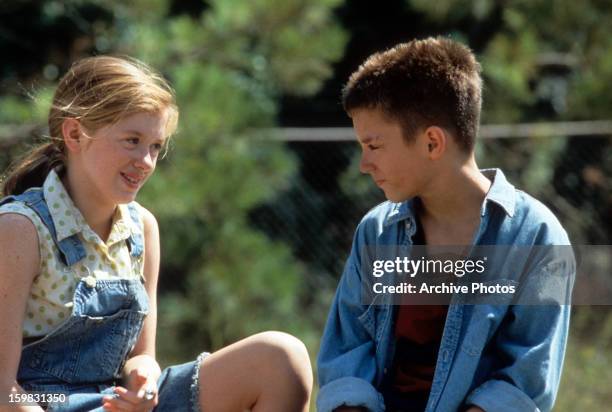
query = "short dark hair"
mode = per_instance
[{"x": 422, "y": 83}]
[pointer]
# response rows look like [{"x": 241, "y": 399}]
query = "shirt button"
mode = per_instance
[
  {"x": 90, "y": 281},
  {"x": 408, "y": 224}
]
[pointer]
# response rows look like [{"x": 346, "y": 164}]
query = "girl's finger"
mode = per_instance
[
  {"x": 129, "y": 400},
  {"x": 120, "y": 405},
  {"x": 140, "y": 375},
  {"x": 129, "y": 396}
]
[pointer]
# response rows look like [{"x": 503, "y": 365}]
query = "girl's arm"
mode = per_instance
[
  {"x": 145, "y": 346},
  {"x": 141, "y": 371},
  {"x": 19, "y": 265}
]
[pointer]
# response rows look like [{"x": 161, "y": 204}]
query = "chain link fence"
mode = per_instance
[{"x": 568, "y": 166}]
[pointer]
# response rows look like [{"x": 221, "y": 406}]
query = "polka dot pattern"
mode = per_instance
[{"x": 54, "y": 287}]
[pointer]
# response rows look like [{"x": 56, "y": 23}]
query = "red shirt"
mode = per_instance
[{"x": 418, "y": 332}]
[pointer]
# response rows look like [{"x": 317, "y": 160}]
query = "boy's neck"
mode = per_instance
[{"x": 455, "y": 196}]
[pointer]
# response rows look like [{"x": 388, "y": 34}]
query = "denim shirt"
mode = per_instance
[{"x": 502, "y": 358}]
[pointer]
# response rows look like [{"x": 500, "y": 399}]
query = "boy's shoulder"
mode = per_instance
[
  {"x": 379, "y": 221},
  {"x": 520, "y": 219},
  {"x": 534, "y": 218},
  {"x": 528, "y": 207},
  {"x": 381, "y": 212},
  {"x": 530, "y": 222}
]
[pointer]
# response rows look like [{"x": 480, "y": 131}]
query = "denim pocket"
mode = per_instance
[
  {"x": 87, "y": 348},
  {"x": 369, "y": 318},
  {"x": 481, "y": 327},
  {"x": 106, "y": 345},
  {"x": 54, "y": 357}
]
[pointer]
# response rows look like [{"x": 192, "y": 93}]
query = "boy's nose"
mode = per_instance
[{"x": 365, "y": 165}]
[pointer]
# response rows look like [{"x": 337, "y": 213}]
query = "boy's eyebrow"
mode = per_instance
[{"x": 368, "y": 139}]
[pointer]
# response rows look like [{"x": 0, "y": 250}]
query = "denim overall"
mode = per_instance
[{"x": 84, "y": 356}]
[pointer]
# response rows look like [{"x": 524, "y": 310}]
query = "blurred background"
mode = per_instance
[{"x": 260, "y": 193}]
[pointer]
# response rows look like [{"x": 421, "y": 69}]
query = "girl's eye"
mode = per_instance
[
  {"x": 132, "y": 140},
  {"x": 157, "y": 147},
  {"x": 372, "y": 147}
]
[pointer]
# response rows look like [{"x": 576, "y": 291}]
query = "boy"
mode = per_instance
[{"x": 415, "y": 110}]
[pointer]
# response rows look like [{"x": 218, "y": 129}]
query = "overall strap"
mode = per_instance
[
  {"x": 135, "y": 241},
  {"x": 71, "y": 248}
]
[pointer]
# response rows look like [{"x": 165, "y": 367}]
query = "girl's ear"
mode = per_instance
[{"x": 72, "y": 134}]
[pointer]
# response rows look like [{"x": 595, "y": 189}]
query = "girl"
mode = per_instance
[{"x": 79, "y": 261}]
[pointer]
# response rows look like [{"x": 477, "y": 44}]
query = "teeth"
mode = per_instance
[{"x": 129, "y": 179}]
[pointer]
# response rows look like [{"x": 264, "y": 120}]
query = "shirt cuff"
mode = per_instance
[
  {"x": 349, "y": 391},
  {"x": 500, "y": 396}
]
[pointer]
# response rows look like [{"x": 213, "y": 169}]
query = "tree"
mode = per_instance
[
  {"x": 229, "y": 66},
  {"x": 229, "y": 62}
]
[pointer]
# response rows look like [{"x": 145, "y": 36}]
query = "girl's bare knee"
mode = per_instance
[
  {"x": 285, "y": 358},
  {"x": 272, "y": 368}
]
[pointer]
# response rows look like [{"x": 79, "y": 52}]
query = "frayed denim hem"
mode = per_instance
[{"x": 195, "y": 383}]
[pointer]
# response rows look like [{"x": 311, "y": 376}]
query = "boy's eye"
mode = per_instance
[
  {"x": 372, "y": 147},
  {"x": 132, "y": 140}
]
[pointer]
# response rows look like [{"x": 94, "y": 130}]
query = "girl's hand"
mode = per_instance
[{"x": 140, "y": 394}]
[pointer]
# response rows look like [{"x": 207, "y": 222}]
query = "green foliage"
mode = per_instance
[
  {"x": 585, "y": 383},
  {"x": 229, "y": 67},
  {"x": 220, "y": 279},
  {"x": 17, "y": 110},
  {"x": 530, "y": 33},
  {"x": 508, "y": 66}
]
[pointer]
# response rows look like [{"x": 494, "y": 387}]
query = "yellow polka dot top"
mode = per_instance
[{"x": 50, "y": 301}]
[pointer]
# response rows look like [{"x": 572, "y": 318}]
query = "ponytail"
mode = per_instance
[
  {"x": 97, "y": 91},
  {"x": 32, "y": 170}
]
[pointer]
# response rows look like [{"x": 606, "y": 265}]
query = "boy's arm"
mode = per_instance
[
  {"x": 347, "y": 357},
  {"x": 530, "y": 345}
]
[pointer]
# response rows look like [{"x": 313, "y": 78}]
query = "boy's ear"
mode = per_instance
[
  {"x": 72, "y": 134},
  {"x": 436, "y": 139}
]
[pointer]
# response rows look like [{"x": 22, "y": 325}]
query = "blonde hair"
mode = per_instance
[{"x": 97, "y": 91}]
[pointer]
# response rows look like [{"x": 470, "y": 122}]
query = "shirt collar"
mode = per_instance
[
  {"x": 123, "y": 226},
  {"x": 501, "y": 193},
  {"x": 401, "y": 211},
  {"x": 68, "y": 219}
]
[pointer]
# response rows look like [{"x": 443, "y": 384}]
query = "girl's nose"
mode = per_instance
[{"x": 145, "y": 161}]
